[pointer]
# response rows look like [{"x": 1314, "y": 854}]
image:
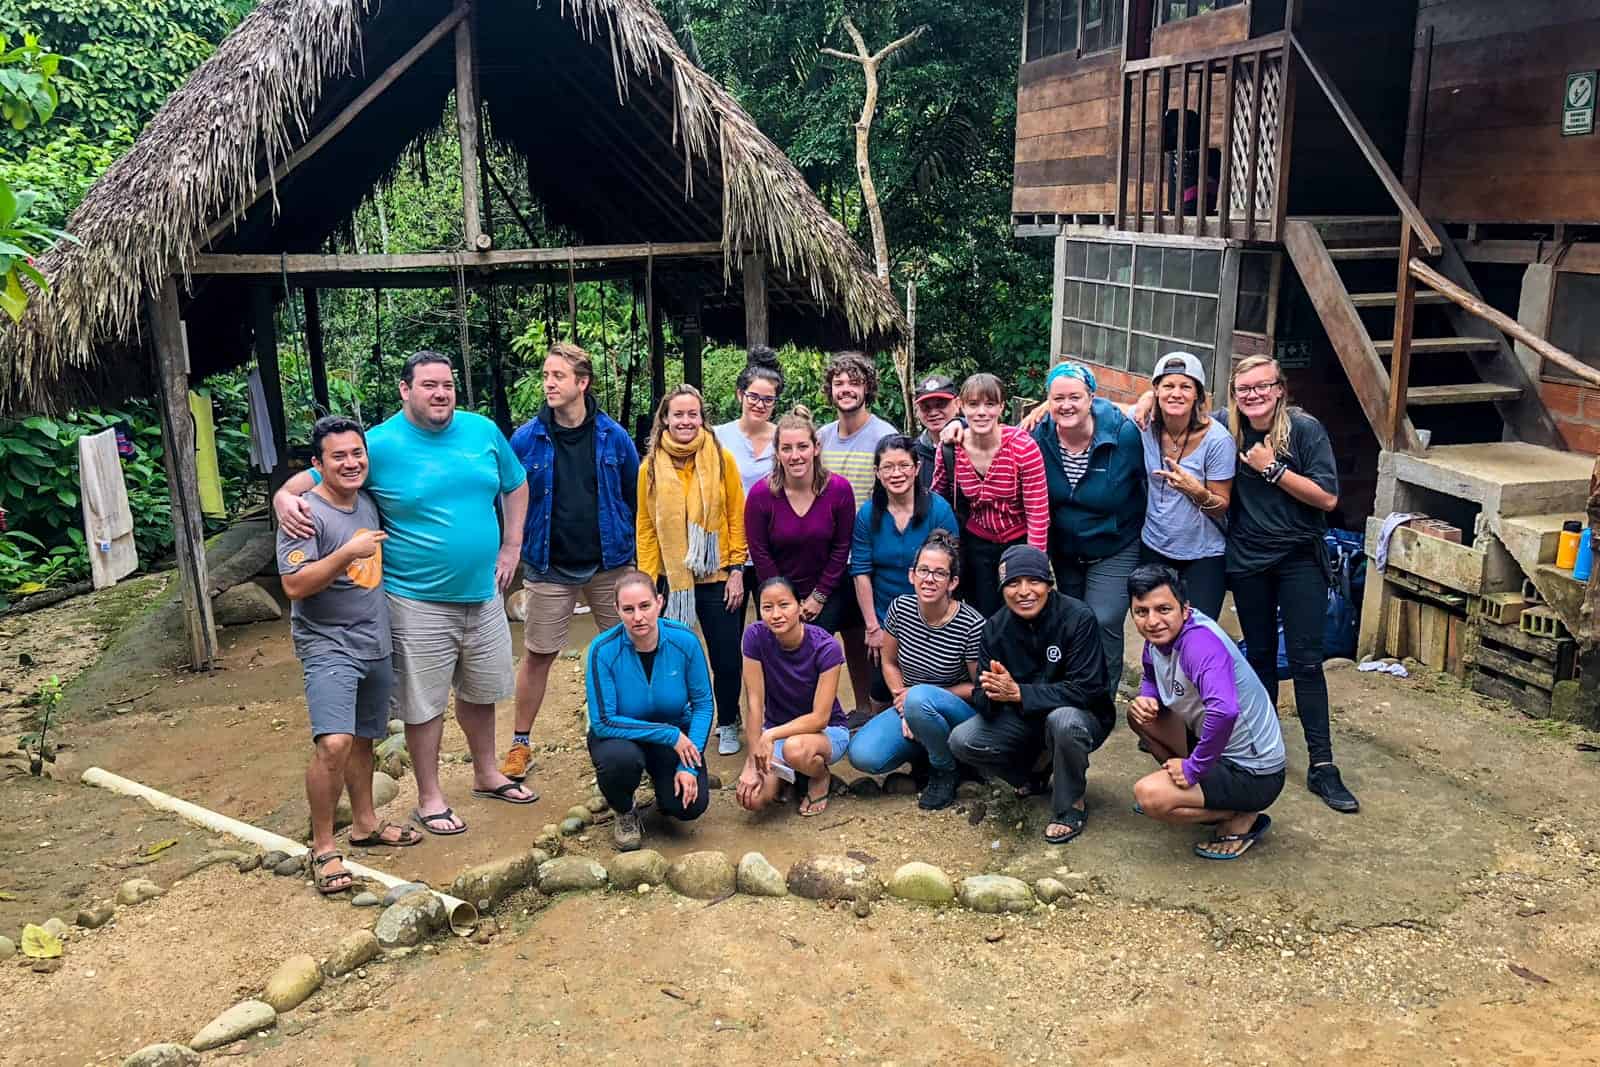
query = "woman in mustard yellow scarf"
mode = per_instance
[{"x": 691, "y": 532}]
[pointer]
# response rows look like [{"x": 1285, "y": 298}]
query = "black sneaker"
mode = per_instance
[
  {"x": 940, "y": 791},
  {"x": 1325, "y": 782}
]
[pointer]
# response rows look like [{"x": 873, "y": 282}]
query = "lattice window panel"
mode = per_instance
[{"x": 1266, "y": 189}]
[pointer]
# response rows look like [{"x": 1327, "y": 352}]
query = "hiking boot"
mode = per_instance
[
  {"x": 518, "y": 761},
  {"x": 728, "y": 739},
  {"x": 940, "y": 791},
  {"x": 1325, "y": 782},
  {"x": 627, "y": 833}
]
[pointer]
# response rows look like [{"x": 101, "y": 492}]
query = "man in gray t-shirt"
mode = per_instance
[{"x": 340, "y": 624}]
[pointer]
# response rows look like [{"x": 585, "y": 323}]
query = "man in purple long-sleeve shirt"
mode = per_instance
[{"x": 1206, "y": 719}]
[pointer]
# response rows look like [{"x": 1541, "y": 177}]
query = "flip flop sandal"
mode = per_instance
[
  {"x": 331, "y": 884},
  {"x": 1138, "y": 809},
  {"x": 504, "y": 793},
  {"x": 810, "y": 805},
  {"x": 1074, "y": 820},
  {"x": 427, "y": 821},
  {"x": 1206, "y": 850},
  {"x": 408, "y": 837}
]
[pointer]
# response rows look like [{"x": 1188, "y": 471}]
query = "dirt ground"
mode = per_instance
[{"x": 1455, "y": 920}]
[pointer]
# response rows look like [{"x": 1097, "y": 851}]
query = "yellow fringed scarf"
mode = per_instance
[{"x": 687, "y": 525}]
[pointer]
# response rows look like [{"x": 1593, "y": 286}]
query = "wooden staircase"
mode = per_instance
[{"x": 1457, "y": 361}]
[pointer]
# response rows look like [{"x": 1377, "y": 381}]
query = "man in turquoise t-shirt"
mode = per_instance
[{"x": 436, "y": 474}]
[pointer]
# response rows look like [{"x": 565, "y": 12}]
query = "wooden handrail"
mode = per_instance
[
  {"x": 1265, "y": 43},
  {"x": 1502, "y": 322},
  {"x": 1396, "y": 190}
]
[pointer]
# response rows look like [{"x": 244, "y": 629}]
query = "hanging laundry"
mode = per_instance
[
  {"x": 107, "y": 520},
  {"x": 263, "y": 449},
  {"x": 124, "y": 431},
  {"x": 206, "y": 471}
]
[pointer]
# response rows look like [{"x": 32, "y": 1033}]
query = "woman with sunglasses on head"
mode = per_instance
[
  {"x": 1094, "y": 465},
  {"x": 890, "y": 529},
  {"x": 998, "y": 487},
  {"x": 1276, "y": 560},
  {"x": 1189, "y": 458},
  {"x": 930, "y": 663},
  {"x": 690, "y": 525}
]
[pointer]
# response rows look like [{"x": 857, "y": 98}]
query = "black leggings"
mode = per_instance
[
  {"x": 980, "y": 572},
  {"x": 620, "y": 765},
  {"x": 1205, "y": 578},
  {"x": 1298, "y": 586},
  {"x": 723, "y": 631}
]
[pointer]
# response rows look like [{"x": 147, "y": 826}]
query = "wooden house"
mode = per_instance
[{"x": 1400, "y": 199}]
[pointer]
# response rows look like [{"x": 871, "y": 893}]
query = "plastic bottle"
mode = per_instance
[
  {"x": 1585, "y": 561},
  {"x": 1567, "y": 549}
]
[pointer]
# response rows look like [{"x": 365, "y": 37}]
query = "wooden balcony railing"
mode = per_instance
[{"x": 1205, "y": 141}]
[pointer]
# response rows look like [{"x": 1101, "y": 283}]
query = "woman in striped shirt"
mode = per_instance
[
  {"x": 930, "y": 660},
  {"x": 1000, "y": 492}
]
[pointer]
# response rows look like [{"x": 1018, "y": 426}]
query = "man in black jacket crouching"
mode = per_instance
[{"x": 1042, "y": 688}]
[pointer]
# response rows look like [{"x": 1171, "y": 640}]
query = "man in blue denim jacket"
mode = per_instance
[{"x": 583, "y": 480}]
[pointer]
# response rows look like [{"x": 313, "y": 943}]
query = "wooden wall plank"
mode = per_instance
[
  {"x": 1212, "y": 30},
  {"x": 1096, "y": 84},
  {"x": 1082, "y": 116},
  {"x": 1079, "y": 170},
  {"x": 1090, "y": 142},
  {"x": 1065, "y": 199}
]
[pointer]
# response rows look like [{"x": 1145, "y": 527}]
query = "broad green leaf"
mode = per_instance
[{"x": 13, "y": 301}]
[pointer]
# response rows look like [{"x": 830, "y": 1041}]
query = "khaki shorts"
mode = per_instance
[
  {"x": 550, "y": 609},
  {"x": 438, "y": 646}
]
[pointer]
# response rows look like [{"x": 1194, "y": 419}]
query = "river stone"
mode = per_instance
[
  {"x": 597, "y": 805},
  {"x": 704, "y": 875},
  {"x": 351, "y": 952},
  {"x": 243, "y": 604},
  {"x": 571, "y": 825},
  {"x": 759, "y": 878},
  {"x": 970, "y": 790},
  {"x": 365, "y": 899},
  {"x": 164, "y": 1055},
  {"x": 401, "y": 890},
  {"x": 271, "y": 859},
  {"x": 410, "y": 920},
  {"x": 489, "y": 883},
  {"x": 137, "y": 891},
  {"x": 289, "y": 867},
  {"x": 581, "y": 812},
  {"x": 8, "y": 947},
  {"x": 57, "y": 928},
  {"x": 295, "y": 979},
  {"x": 241, "y": 1020},
  {"x": 1050, "y": 890},
  {"x": 900, "y": 784},
  {"x": 865, "y": 787},
  {"x": 833, "y": 878},
  {"x": 569, "y": 873},
  {"x": 923, "y": 883},
  {"x": 251, "y": 862},
  {"x": 630, "y": 870},
  {"x": 993, "y": 894}
]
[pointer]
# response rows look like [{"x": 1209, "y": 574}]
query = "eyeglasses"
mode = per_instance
[
  {"x": 896, "y": 468},
  {"x": 756, "y": 400},
  {"x": 1256, "y": 390},
  {"x": 936, "y": 573}
]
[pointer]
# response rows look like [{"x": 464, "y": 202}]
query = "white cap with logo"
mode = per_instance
[{"x": 1179, "y": 363}]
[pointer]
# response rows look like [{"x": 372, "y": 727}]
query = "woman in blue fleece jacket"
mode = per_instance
[{"x": 650, "y": 710}]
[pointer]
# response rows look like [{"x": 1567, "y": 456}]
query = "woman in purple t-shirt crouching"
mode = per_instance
[{"x": 793, "y": 722}]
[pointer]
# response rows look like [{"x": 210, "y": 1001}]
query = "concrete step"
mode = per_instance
[
  {"x": 1533, "y": 539},
  {"x": 1505, "y": 478}
]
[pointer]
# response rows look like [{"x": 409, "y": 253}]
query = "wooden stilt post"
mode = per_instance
[
  {"x": 1400, "y": 357},
  {"x": 658, "y": 350},
  {"x": 467, "y": 128},
  {"x": 266, "y": 338},
  {"x": 625, "y": 416},
  {"x": 315, "y": 353},
  {"x": 177, "y": 446},
  {"x": 694, "y": 339},
  {"x": 755, "y": 299}
]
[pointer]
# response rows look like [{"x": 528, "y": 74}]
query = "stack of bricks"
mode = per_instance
[{"x": 1430, "y": 527}]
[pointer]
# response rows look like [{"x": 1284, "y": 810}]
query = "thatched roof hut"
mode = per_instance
[{"x": 626, "y": 140}]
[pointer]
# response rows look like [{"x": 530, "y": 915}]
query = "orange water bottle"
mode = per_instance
[{"x": 1567, "y": 549}]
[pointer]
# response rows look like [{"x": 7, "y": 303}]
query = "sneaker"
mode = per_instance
[
  {"x": 728, "y": 739},
  {"x": 518, "y": 762},
  {"x": 1325, "y": 782},
  {"x": 627, "y": 833},
  {"x": 940, "y": 791}
]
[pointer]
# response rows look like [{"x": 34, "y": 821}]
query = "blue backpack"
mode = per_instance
[{"x": 1347, "y": 568}]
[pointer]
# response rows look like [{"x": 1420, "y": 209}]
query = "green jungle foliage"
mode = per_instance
[{"x": 941, "y": 156}]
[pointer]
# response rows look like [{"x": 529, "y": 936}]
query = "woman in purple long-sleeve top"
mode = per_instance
[{"x": 799, "y": 524}]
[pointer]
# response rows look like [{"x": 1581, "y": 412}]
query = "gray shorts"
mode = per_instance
[
  {"x": 438, "y": 646},
  {"x": 346, "y": 695}
]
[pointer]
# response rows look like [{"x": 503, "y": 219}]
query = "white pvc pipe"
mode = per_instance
[{"x": 463, "y": 916}]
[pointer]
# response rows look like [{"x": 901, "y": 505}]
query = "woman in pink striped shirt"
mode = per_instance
[{"x": 1000, "y": 494}]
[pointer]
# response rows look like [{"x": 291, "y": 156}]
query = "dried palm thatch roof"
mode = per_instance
[{"x": 596, "y": 94}]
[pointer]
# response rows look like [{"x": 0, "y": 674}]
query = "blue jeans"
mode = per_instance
[{"x": 931, "y": 712}]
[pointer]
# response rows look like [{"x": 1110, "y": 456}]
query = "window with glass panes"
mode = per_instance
[
  {"x": 1177, "y": 10},
  {"x": 1125, "y": 306},
  {"x": 1057, "y": 26}
]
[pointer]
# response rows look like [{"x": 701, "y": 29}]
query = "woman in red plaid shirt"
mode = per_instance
[{"x": 1000, "y": 493}]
